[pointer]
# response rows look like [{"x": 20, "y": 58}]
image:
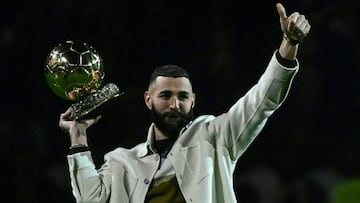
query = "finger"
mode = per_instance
[
  {"x": 292, "y": 21},
  {"x": 97, "y": 118},
  {"x": 307, "y": 29},
  {"x": 300, "y": 20},
  {"x": 281, "y": 10},
  {"x": 303, "y": 25},
  {"x": 293, "y": 18},
  {"x": 66, "y": 114},
  {"x": 64, "y": 125},
  {"x": 90, "y": 122},
  {"x": 62, "y": 118}
]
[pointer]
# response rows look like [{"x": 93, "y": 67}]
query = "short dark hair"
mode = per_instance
[{"x": 169, "y": 70}]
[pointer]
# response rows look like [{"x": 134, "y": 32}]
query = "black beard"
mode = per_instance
[{"x": 170, "y": 123}]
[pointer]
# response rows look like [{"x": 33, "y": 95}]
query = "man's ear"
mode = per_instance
[
  {"x": 193, "y": 101},
  {"x": 147, "y": 100}
]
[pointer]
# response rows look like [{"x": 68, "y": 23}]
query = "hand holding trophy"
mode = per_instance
[{"x": 74, "y": 71}]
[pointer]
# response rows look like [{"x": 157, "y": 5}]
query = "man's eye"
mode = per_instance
[
  {"x": 183, "y": 97},
  {"x": 165, "y": 96}
]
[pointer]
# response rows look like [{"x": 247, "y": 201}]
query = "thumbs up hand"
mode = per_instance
[{"x": 295, "y": 27}]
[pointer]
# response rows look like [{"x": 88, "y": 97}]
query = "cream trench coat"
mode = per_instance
[{"x": 204, "y": 156}]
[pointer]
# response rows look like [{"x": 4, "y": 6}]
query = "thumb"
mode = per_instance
[{"x": 281, "y": 10}]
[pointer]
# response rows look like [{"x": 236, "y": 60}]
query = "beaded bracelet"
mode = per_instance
[
  {"x": 77, "y": 146},
  {"x": 290, "y": 40}
]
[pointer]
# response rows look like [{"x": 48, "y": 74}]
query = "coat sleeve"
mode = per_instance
[
  {"x": 236, "y": 129},
  {"x": 88, "y": 184}
]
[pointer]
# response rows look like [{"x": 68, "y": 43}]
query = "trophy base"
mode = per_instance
[{"x": 93, "y": 101}]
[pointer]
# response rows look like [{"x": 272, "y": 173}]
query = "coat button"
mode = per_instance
[{"x": 146, "y": 181}]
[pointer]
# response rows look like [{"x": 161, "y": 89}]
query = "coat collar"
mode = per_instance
[{"x": 148, "y": 147}]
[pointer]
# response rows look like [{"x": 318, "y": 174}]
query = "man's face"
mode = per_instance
[{"x": 171, "y": 102}]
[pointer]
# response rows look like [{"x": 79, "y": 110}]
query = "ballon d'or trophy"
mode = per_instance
[{"x": 74, "y": 71}]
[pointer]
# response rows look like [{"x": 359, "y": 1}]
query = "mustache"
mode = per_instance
[{"x": 173, "y": 113}]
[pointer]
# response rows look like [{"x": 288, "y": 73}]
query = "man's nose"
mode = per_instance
[{"x": 175, "y": 103}]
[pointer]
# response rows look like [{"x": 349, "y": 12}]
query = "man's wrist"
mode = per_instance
[
  {"x": 73, "y": 146},
  {"x": 291, "y": 41},
  {"x": 287, "y": 50},
  {"x": 76, "y": 148},
  {"x": 285, "y": 62}
]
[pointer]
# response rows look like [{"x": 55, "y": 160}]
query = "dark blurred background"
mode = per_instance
[{"x": 309, "y": 146}]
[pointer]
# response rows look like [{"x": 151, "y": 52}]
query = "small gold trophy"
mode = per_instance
[{"x": 74, "y": 71}]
